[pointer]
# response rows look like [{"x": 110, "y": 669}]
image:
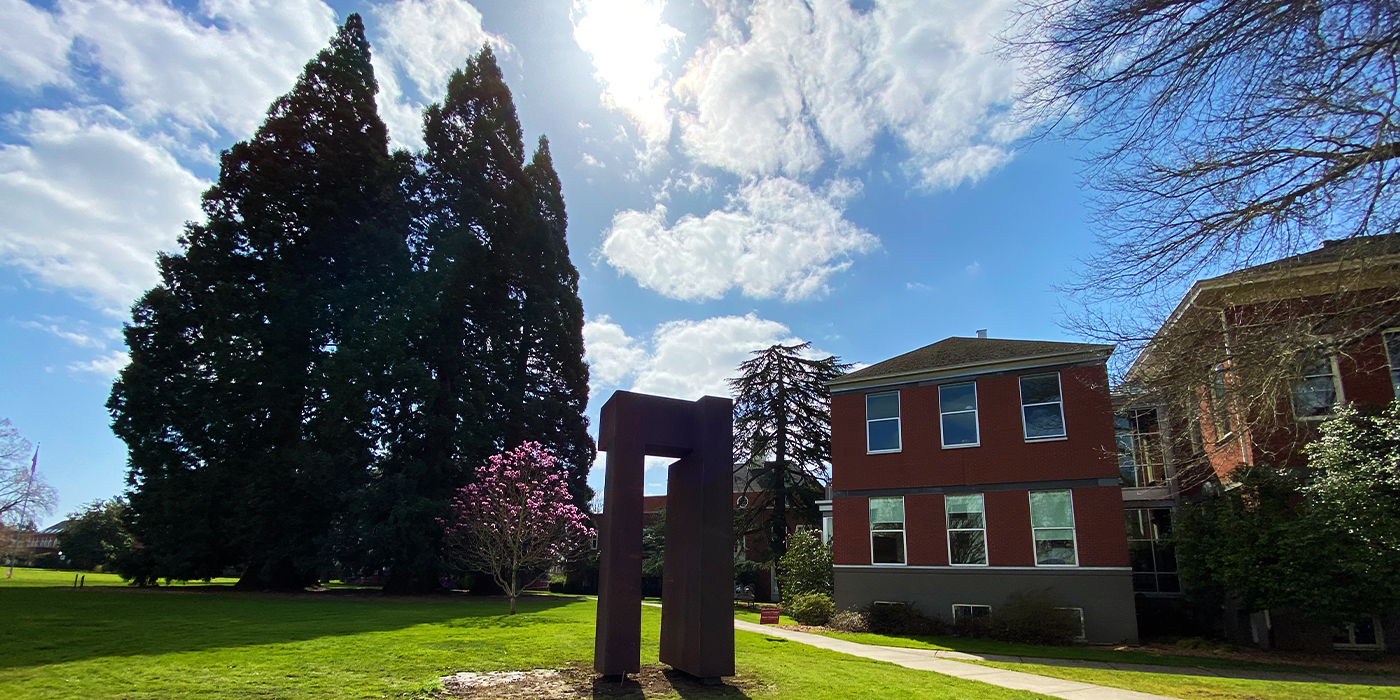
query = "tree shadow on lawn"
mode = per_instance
[{"x": 58, "y": 625}]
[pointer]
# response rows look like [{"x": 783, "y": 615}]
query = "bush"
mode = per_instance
[
  {"x": 849, "y": 621},
  {"x": 811, "y": 609},
  {"x": 1032, "y": 618},
  {"x": 806, "y": 568},
  {"x": 902, "y": 619}
]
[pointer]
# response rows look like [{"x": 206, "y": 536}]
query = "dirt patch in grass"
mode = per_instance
[{"x": 573, "y": 683}]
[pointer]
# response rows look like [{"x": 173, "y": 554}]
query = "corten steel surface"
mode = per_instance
[{"x": 697, "y": 618}]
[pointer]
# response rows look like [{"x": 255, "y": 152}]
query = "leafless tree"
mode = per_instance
[
  {"x": 1222, "y": 134},
  {"x": 20, "y": 486}
]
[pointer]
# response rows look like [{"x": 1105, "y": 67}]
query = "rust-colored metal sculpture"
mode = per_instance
[{"x": 697, "y": 618}]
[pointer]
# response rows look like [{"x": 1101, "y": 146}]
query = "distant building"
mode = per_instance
[{"x": 976, "y": 468}]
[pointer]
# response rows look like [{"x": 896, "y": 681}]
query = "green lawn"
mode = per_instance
[
  {"x": 1191, "y": 687},
  {"x": 28, "y": 578},
  {"x": 210, "y": 643},
  {"x": 1080, "y": 653}
]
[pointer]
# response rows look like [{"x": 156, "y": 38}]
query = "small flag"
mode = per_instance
[{"x": 35, "y": 466}]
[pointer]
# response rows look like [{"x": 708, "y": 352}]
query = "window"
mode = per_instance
[
  {"x": 1078, "y": 615},
  {"x": 1363, "y": 634},
  {"x": 967, "y": 529},
  {"x": 1392, "y": 351},
  {"x": 1315, "y": 392},
  {"x": 887, "y": 530},
  {"x": 957, "y": 406},
  {"x": 1052, "y": 526},
  {"x": 1151, "y": 554},
  {"x": 1140, "y": 455},
  {"x": 970, "y": 612},
  {"x": 1042, "y": 411},
  {"x": 1220, "y": 404},
  {"x": 882, "y": 422},
  {"x": 826, "y": 529}
]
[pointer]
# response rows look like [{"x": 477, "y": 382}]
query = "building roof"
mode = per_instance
[
  {"x": 954, "y": 353},
  {"x": 1358, "y": 248}
]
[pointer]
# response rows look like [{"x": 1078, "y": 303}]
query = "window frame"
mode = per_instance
[
  {"x": 954, "y": 607},
  {"x": 898, "y": 423},
  {"x": 903, "y": 531},
  {"x": 1350, "y": 630},
  {"x": 1222, "y": 415},
  {"x": 1338, "y": 394},
  {"x": 1073, "y": 528},
  {"x": 1060, "y": 385},
  {"x": 1083, "y": 633},
  {"x": 948, "y": 530},
  {"x": 1391, "y": 361},
  {"x": 976, "y": 417}
]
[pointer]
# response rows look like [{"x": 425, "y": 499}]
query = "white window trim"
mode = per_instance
[
  {"x": 948, "y": 532},
  {"x": 976, "y": 417},
  {"x": 1025, "y": 432},
  {"x": 954, "y": 609},
  {"x": 1336, "y": 386},
  {"x": 1386, "y": 349},
  {"x": 1351, "y": 634},
  {"x": 898, "y": 421},
  {"x": 1074, "y": 530},
  {"x": 903, "y": 530}
]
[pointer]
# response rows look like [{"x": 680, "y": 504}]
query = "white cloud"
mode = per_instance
[
  {"x": 682, "y": 359},
  {"x": 627, "y": 41},
  {"x": 424, "y": 41},
  {"x": 106, "y": 366},
  {"x": 218, "y": 67},
  {"x": 35, "y": 49},
  {"x": 88, "y": 203},
  {"x": 973, "y": 269},
  {"x": 84, "y": 335},
  {"x": 812, "y": 80},
  {"x": 775, "y": 238}
]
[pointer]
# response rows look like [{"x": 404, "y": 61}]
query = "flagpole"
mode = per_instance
[{"x": 23, "y": 512}]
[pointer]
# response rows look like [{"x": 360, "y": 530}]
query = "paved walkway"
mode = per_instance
[{"x": 929, "y": 660}]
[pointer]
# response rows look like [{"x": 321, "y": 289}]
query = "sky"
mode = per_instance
[{"x": 737, "y": 173}]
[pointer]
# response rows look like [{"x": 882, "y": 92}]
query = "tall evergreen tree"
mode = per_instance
[
  {"x": 496, "y": 325},
  {"x": 782, "y": 434},
  {"x": 253, "y": 402}
]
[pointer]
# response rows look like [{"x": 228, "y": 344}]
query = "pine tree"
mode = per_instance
[
  {"x": 249, "y": 408},
  {"x": 782, "y": 441}
]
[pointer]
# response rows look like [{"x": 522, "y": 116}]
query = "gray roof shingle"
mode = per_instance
[{"x": 957, "y": 352}]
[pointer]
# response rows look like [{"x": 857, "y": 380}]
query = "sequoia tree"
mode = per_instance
[
  {"x": 249, "y": 407},
  {"x": 782, "y": 434}
]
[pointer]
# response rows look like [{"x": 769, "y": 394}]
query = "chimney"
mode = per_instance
[{"x": 981, "y": 332}]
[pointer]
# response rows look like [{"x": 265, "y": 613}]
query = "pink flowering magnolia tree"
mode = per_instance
[{"x": 518, "y": 517}]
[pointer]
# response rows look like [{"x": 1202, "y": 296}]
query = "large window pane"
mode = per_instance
[
  {"x": 887, "y": 511},
  {"x": 1054, "y": 546},
  {"x": 881, "y": 406},
  {"x": 1042, "y": 388},
  {"x": 1315, "y": 393},
  {"x": 1044, "y": 421},
  {"x": 882, "y": 435},
  {"x": 963, "y": 507},
  {"x": 967, "y": 547},
  {"x": 887, "y": 547},
  {"x": 957, "y": 397},
  {"x": 1052, "y": 509},
  {"x": 960, "y": 429}
]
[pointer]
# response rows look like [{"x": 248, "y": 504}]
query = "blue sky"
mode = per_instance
[{"x": 737, "y": 173}]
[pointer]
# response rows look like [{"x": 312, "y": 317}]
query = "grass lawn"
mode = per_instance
[
  {"x": 1191, "y": 687},
  {"x": 211, "y": 643},
  {"x": 1080, "y": 653}
]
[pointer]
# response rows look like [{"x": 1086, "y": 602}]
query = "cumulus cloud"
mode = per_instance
[
  {"x": 776, "y": 238},
  {"x": 422, "y": 42},
  {"x": 35, "y": 50},
  {"x": 627, "y": 41},
  {"x": 684, "y": 359},
  {"x": 784, "y": 86},
  {"x": 88, "y": 203}
]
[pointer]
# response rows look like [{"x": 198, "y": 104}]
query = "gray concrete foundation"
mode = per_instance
[{"x": 1105, "y": 595}]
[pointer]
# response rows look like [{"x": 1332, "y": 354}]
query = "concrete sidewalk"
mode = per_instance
[{"x": 928, "y": 660}]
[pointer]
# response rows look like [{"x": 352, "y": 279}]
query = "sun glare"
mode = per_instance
[{"x": 627, "y": 41}]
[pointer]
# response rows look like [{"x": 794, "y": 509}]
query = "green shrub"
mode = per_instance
[
  {"x": 1033, "y": 618},
  {"x": 806, "y": 568},
  {"x": 849, "y": 621},
  {"x": 901, "y": 619},
  {"x": 811, "y": 609}
]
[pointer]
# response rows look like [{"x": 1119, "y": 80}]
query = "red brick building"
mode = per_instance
[{"x": 973, "y": 469}]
